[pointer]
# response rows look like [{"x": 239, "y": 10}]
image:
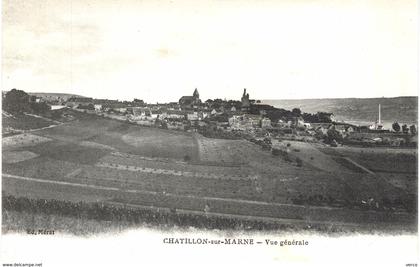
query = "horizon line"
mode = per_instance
[{"x": 224, "y": 98}]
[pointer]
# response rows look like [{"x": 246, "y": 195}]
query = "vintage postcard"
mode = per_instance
[{"x": 215, "y": 132}]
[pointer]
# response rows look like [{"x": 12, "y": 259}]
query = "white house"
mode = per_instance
[
  {"x": 55, "y": 107},
  {"x": 98, "y": 107},
  {"x": 245, "y": 122},
  {"x": 192, "y": 116},
  {"x": 265, "y": 123}
]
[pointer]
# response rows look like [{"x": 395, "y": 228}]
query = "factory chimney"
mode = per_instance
[{"x": 379, "y": 117}]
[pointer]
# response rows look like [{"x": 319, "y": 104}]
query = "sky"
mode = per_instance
[{"x": 159, "y": 50}]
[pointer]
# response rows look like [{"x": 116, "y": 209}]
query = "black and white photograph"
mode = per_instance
[{"x": 215, "y": 132}]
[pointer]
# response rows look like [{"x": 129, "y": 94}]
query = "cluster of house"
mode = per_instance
[
  {"x": 189, "y": 112},
  {"x": 235, "y": 115},
  {"x": 245, "y": 115},
  {"x": 246, "y": 118}
]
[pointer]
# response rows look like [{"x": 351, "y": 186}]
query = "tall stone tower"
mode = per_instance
[
  {"x": 196, "y": 95},
  {"x": 245, "y": 100}
]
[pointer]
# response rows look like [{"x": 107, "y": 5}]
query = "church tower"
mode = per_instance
[
  {"x": 196, "y": 95},
  {"x": 245, "y": 100}
]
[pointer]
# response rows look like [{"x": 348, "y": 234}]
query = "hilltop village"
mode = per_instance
[{"x": 227, "y": 119}]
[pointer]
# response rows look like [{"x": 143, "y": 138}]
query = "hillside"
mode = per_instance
[
  {"x": 362, "y": 110},
  {"x": 54, "y": 96}
]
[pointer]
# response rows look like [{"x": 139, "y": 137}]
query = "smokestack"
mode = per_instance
[{"x": 379, "y": 119}]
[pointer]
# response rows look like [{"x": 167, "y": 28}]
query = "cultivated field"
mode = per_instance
[
  {"x": 94, "y": 159},
  {"x": 22, "y": 122},
  {"x": 398, "y": 166}
]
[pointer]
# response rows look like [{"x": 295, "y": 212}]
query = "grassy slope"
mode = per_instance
[{"x": 24, "y": 122}]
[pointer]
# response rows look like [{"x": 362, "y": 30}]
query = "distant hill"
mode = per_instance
[
  {"x": 357, "y": 110},
  {"x": 53, "y": 96}
]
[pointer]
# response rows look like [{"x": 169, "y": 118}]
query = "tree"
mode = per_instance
[
  {"x": 333, "y": 134},
  {"x": 164, "y": 125},
  {"x": 324, "y": 117},
  {"x": 16, "y": 101},
  {"x": 413, "y": 129},
  {"x": 297, "y": 111},
  {"x": 138, "y": 101},
  {"x": 299, "y": 162},
  {"x": 317, "y": 117},
  {"x": 396, "y": 127},
  {"x": 405, "y": 128}
]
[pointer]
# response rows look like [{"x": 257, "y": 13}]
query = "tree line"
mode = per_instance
[
  {"x": 19, "y": 102},
  {"x": 404, "y": 128}
]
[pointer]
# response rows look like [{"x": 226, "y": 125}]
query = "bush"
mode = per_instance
[
  {"x": 276, "y": 152},
  {"x": 40, "y": 108}
]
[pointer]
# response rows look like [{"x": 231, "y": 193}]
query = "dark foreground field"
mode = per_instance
[
  {"x": 82, "y": 218},
  {"x": 123, "y": 175}
]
